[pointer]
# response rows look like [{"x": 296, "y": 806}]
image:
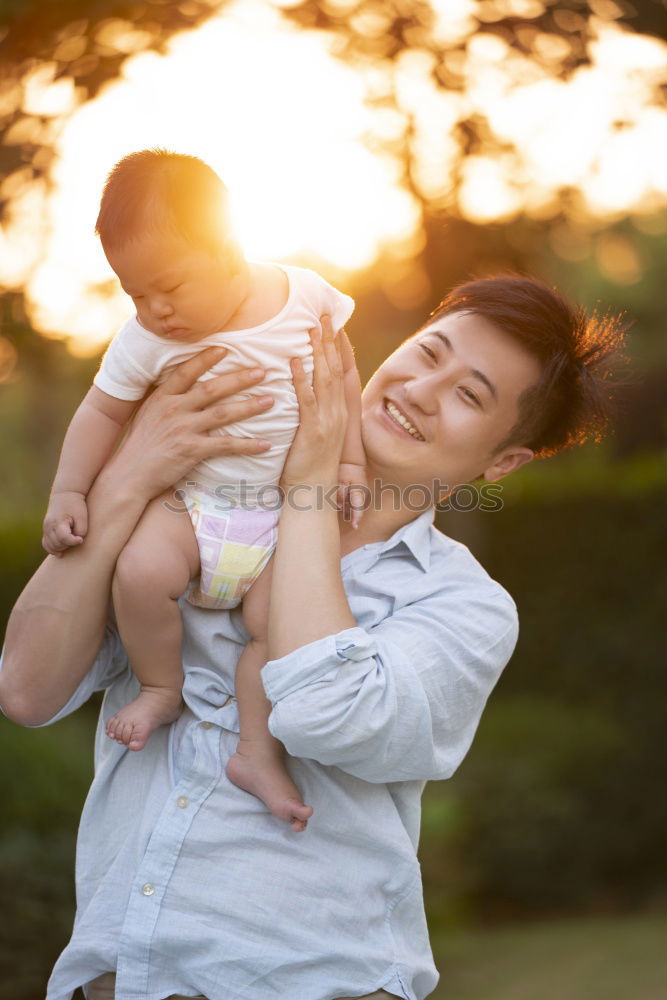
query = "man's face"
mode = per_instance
[
  {"x": 180, "y": 292},
  {"x": 457, "y": 384}
]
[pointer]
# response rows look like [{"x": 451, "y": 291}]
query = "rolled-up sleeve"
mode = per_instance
[{"x": 402, "y": 701}]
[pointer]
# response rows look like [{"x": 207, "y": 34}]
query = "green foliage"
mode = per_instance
[
  {"x": 590, "y": 472},
  {"x": 35, "y": 407},
  {"x": 42, "y": 788},
  {"x": 37, "y": 890},
  {"x": 50, "y": 772},
  {"x": 642, "y": 301},
  {"x": 559, "y": 802},
  {"x": 536, "y": 834},
  {"x": 21, "y": 554}
]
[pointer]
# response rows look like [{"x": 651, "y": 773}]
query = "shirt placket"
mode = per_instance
[{"x": 160, "y": 858}]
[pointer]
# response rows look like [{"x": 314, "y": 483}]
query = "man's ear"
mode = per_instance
[{"x": 507, "y": 462}]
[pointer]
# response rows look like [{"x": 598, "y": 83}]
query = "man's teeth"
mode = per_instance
[{"x": 396, "y": 415}]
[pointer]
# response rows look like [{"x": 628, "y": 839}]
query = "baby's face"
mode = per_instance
[{"x": 179, "y": 292}]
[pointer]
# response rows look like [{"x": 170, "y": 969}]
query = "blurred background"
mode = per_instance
[{"x": 397, "y": 146}]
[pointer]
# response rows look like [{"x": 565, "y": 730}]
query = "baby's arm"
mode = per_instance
[
  {"x": 89, "y": 441},
  {"x": 352, "y": 469}
]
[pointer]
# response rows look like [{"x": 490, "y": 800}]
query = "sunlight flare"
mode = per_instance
[{"x": 310, "y": 146}]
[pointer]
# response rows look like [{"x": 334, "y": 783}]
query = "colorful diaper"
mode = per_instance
[{"x": 235, "y": 544}]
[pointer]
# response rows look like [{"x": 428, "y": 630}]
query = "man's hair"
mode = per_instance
[
  {"x": 161, "y": 192},
  {"x": 572, "y": 401}
]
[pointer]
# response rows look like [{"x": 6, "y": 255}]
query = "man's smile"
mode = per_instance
[{"x": 400, "y": 419}]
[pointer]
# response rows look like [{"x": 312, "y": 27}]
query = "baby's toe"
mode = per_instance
[
  {"x": 137, "y": 740},
  {"x": 124, "y": 733},
  {"x": 300, "y": 811},
  {"x": 300, "y": 814}
]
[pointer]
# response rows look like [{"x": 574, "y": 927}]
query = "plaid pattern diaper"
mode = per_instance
[{"x": 235, "y": 544}]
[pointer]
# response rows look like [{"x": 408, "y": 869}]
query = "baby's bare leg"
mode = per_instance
[
  {"x": 257, "y": 766},
  {"x": 152, "y": 572}
]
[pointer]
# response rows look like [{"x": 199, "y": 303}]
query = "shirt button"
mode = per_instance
[
  {"x": 181, "y": 802},
  {"x": 148, "y": 889},
  {"x": 207, "y": 725}
]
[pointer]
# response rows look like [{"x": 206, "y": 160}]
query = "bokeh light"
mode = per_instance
[
  {"x": 8, "y": 359},
  {"x": 313, "y": 147}
]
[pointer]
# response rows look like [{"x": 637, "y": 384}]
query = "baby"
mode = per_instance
[{"x": 164, "y": 228}]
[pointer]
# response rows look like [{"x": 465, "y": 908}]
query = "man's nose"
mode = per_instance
[{"x": 422, "y": 392}]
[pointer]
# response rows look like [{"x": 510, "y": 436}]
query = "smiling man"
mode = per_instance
[
  {"x": 504, "y": 371},
  {"x": 384, "y": 644},
  {"x": 436, "y": 387}
]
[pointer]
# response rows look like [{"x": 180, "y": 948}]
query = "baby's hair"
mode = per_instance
[
  {"x": 161, "y": 192},
  {"x": 573, "y": 401}
]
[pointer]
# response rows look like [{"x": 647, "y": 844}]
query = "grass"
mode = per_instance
[{"x": 622, "y": 958}]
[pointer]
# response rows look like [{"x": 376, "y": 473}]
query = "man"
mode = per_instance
[{"x": 381, "y": 664}]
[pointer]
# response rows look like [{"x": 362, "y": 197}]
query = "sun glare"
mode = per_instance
[
  {"x": 286, "y": 125},
  {"x": 276, "y": 116}
]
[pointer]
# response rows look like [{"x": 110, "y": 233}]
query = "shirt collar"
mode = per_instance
[{"x": 415, "y": 536}]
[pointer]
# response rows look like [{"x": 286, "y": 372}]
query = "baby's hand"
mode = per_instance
[
  {"x": 66, "y": 522},
  {"x": 352, "y": 491}
]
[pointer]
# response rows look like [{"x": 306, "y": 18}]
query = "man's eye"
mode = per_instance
[
  {"x": 428, "y": 351},
  {"x": 170, "y": 290},
  {"x": 470, "y": 395}
]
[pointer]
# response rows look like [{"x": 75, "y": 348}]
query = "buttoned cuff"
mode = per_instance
[{"x": 311, "y": 663}]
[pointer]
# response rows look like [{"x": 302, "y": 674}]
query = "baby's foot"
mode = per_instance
[
  {"x": 152, "y": 708},
  {"x": 261, "y": 772}
]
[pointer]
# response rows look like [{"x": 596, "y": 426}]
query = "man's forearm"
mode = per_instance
[
  {"x": 57, "y": 625},
  {"x": 308, "y": 600}
]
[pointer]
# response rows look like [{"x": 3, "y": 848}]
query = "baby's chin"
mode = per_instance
[{"x": 178, "y": 333}]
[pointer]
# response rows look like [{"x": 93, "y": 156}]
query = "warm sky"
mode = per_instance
[{"x": 287, "y": 126}]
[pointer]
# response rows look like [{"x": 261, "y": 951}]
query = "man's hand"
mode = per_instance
[
  {"x": 169, "y": 433},
  {"x": 352, "y": 491},
  {"x": 316, "y": 450},
  {"x": 65, "y": 523}
]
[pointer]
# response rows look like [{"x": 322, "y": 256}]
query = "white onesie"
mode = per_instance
[{"x": 235, "y": 535}]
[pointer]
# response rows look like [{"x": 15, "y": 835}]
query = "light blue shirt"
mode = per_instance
[{"x": 187, "y": 884}]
